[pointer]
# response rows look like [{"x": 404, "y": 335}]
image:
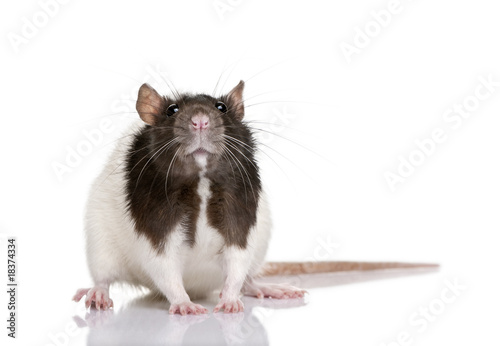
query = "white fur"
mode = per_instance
[
  {"x": 236, "y": 267},
  {"x": 116, "y": 253}
]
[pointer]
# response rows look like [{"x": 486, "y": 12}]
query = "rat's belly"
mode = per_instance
[{"x": 202, "y": 265}]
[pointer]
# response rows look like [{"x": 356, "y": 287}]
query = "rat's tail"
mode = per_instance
[{"x": 298, "y": 268}]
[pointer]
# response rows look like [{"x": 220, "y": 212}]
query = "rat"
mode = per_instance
[{"x": 180, "y": 209}]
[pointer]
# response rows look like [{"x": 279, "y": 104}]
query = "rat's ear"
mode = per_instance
[
  {"x": 149, "y": 104},
  {"x": 236, "y": 98}
]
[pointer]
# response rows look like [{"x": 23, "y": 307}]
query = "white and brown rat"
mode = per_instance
[{"x": 179, "y": 208}]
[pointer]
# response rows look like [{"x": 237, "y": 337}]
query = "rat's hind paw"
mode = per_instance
[
  {"x": 97, "y": 297},
  {"x": 80, "y": 294}
]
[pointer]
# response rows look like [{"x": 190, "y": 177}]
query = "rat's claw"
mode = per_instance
[
  {"x": 82, "y": 292},
  {"x": 96, "y": 296},
  {"x": 230, "y": 306},
  {"x": 253, "y": 291},
  {"x": 187, "y": 308},
  {"x": 98, "y": 300}
]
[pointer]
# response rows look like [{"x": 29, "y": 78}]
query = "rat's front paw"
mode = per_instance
[
  {"x": 229, "y": 305},
  {"x": 97, "y": 297},
  {"x": 186, "y": 308}
]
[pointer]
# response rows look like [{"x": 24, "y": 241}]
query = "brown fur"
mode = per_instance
[{"x": 159, "y": 203}]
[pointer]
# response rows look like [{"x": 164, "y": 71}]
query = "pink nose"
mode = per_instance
[{"x": 199, "y": 122}]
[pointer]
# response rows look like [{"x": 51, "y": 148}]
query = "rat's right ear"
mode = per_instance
[{"x": 149, "y": 104}]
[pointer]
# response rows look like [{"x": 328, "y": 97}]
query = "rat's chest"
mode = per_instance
[
  {"x": 207, "y": 239},
  {"x": 203, "y": 258}
]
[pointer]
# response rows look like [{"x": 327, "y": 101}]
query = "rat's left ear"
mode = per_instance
[{"x": 236, "y": 98}]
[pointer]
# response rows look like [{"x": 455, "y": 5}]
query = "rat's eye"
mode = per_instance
[
  {"x": 221, "y": 106},
  {"x": 173, "y": 108}
]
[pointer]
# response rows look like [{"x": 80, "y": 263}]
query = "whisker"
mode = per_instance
[
  {"x": 231, "y": 155},
  {"x": 223, "y": 150},
  {"x": 249, "y": 122},
  {"x": 171, "y": 86},
  {"x": 285, "y": 138},
  {"x": 234, "y": 147},
  {"x": 229, "y": 74},
  {"x": 249, "y": 148},
  {"x": 280, "y": 101},
  {"x": 246, "y": 173},
  {"x": 166, "y": 147},
  {"x": 268, "y": 68},
  {"x": 168, "y": 171},
  {"x": 232, "y": 66},
  {"x": 123, "y": 161},
  {"x": 105, "y": 116}
]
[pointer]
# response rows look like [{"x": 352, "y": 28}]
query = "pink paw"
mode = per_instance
[
  {"x": 80, "y": 294},
  {"x": 229, "y": 306},
  {"x": 187, "y": 308},
  {"x": 277, "y": 291},
  {"x": 97, "y": 297}
]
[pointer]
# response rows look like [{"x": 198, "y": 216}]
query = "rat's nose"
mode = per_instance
[{"x": 199, "y": 122}]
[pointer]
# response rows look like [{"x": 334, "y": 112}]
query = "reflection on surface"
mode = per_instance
[{"x": 145, "y": 320}]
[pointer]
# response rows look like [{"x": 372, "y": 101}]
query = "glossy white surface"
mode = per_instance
[{"x": 358, "y": 308}]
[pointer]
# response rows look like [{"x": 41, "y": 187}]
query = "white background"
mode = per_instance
[{"x": 347, "y": 125}]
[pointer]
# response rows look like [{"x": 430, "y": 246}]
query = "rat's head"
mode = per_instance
[{"x": 194, "y": 126}]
